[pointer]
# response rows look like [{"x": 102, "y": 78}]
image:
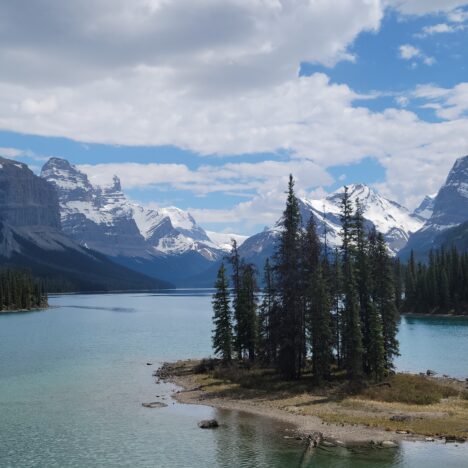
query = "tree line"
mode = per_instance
[
  {"x": 318, "y": 310},
  {"x": 438, "y": 286},
  {"x": 19, "y": 290}
]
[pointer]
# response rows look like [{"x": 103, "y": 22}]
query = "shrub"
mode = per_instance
[{"x": 410, "y": 389}]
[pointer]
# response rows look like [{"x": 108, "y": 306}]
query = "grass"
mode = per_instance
[
  {"x": 432, "y": 407},
  {"x": 410, "y": 389}
]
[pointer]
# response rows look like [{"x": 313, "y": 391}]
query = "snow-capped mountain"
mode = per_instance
[
  {"x": 394, "y": 221},
  {"x": 224, "y": 240},
  {"x": 31, "y": 238},
  {"x": 450, "y": 209},
  {"x": 102, "y": 218},
  {"x": 426, "y": 208}
]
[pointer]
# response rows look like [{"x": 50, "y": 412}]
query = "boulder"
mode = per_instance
[
  {"x": 154, "y": 404},
  {"x": 208, "y": 424},
  {"x": 388, "y": 444}
]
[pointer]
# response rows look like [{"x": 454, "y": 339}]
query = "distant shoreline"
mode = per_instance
[
  {"x": 32, "y": 309},
  {"x": 415, "y": 314}
]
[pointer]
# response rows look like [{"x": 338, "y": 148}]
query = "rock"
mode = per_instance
[
  {"x": 327, "y": 443},
  {"x": 400, "y": 417},
  {"x": 208, "y": 424},
  {"x": 431, "y": 372},
  {"x": 388, "y": 444},
  {"x": 429, "y": 439},
  {"x": 154, "y": 404},
  {"x": 315, "y": 439}
]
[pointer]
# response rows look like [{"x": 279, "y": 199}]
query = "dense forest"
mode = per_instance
[
  {"x": 438, "y": 286},
  {"x": 318, "y": 310},
  {"x": 20, "y": 291}
]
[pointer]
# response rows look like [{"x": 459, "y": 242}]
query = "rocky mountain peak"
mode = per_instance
[
  {"x": 451, "y": 203},
  {"x": 26, "y": 199}
]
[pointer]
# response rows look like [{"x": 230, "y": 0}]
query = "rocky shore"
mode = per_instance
[{"x": 314, "y": 429}]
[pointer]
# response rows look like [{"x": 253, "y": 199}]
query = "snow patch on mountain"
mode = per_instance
[
  {"x": 224, "y": 240},
  {"x": 104, "y": 219}
]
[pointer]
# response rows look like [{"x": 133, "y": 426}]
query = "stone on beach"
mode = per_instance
[{"x": 208, "y": 424}]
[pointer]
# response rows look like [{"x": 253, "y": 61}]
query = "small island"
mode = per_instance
[
  {"x": 316, "y": 346},
  {"x": 19, "y": 291},
  {"x": 401, "y": 407}
]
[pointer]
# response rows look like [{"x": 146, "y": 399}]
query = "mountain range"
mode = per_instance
[
  {"x": 63, "y": 207},
  {"x": 31, "y": 237}
]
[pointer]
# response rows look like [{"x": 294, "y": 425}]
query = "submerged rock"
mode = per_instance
[
  {"x": 154, "y": 404},
  {"x": 208, "y": 424}
]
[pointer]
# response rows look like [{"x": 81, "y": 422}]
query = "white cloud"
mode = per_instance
[
  {"x": 410, "y": 52},
  {"x": 422, "y": 7},
  {"x": 218, "y": 78},
  {"x": 449, "y": 103},
  {"x": 458, "y": 16}
]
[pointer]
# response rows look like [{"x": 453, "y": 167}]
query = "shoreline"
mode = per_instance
[
  {"x": 424, "y": 315},
  {"x": 32, "y": 309},
  {"x": 334, "y": 434}
]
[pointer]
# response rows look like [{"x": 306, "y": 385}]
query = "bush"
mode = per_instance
[
  {"x": 410, "y": 389},
  {"x": 205, "y": 365}
]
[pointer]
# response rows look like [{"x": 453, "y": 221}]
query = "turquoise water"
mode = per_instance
[{"x": 72, "y": 380}]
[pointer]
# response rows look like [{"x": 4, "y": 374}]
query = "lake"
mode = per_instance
[{"x": 73, "y": 377}]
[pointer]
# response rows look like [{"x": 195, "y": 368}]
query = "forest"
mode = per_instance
[
  {"x": 319, "y": 310},
  {"x": 20, "y": 291}
]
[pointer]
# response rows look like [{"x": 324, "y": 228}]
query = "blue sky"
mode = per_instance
[{"x": 213, "y": 119}]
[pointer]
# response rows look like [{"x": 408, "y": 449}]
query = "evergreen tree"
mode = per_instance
[
  {"x": 268, "y": 319},
  {"x": 247, "y": 327},
  {"x": 222, "y": 333},
  {"x": 384, "y": 298},
  {"x": 320, "y": 328},
  {"x": 287, "y": 267},
  {"x": 235, "y": 262}
]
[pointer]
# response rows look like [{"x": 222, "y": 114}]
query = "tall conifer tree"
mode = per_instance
[{"x": 222, "y": 333}]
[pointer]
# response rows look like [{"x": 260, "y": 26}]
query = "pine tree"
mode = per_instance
[
  {"x": 320, "y": 328},
  {"x": 352, "y": 336},
  {"x": 268, "y": 319},
  {"x": 235, "y": 262},
  {"x": 385, "y": 300},
  {"x": 247, "y": 328},
  {"x": 222, "y": 333},
  {"x": 287, "y": 267},
  {"x": 351, "y": 323}
]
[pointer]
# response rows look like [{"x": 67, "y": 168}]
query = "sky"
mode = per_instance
[{"x": 209, "y": 105}]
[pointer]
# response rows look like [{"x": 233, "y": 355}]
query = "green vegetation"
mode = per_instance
[
  {"x": 401, "y": 402},
  {"x": 411, "y": 389},
  {"x": 20, "y": 291},
  {"x": 438, "y": 286},
  {"x": 315, "y": 314}
]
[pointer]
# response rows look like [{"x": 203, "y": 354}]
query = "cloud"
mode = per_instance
[
  {"x": 409, "y": 52},
  {"x": 423, "y": 7},
  {"x": 449, "y": 103},
  {"x": 219, "y": 78}
]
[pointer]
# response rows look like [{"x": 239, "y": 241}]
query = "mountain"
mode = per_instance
[
  {"x": 450, "y": 209},
  {"x": 224, "y": 240},
  {"x": 30, "y": 237},
  {"x": 160, "y": 242},
  {"x": 394, "y": 221},
  {"x": 426, "y": 208}
]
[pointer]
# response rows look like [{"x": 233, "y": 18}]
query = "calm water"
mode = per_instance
[{"x": 72, "y": 380}]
